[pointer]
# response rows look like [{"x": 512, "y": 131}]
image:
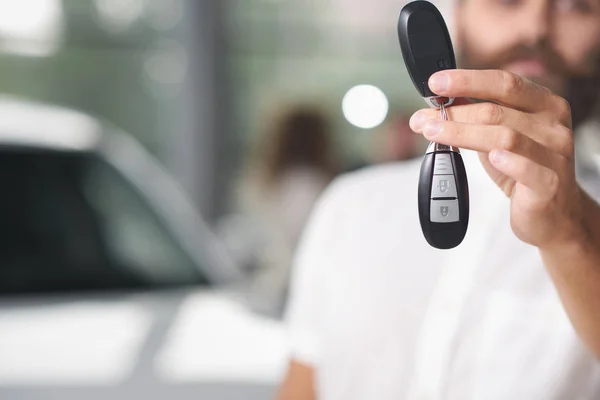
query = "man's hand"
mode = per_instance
[
  {"x": 524, "y": 138},
  {"x": 299, "y": 383}
]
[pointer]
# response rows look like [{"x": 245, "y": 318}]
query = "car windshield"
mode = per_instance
[{"x": 71, "y": 222}]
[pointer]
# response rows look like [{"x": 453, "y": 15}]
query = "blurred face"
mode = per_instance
[
  {"x": 554, "y": 42},
  {"x": 398, "y": 142}
]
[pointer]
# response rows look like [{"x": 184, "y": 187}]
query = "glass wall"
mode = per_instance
[
  {"x": 120, "y": 60},
  {"x": 294, "y": 51}
]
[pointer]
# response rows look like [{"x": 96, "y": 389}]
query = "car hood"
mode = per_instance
[{"x": 174, "y": 337}]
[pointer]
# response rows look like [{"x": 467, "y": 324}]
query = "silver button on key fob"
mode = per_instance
[{"x": 443, "y": 189}]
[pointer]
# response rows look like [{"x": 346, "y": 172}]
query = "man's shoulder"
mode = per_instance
[
  {"x": 372, "y": 190},
  {"x": 361, "y": 211},
  {"x": 372, "y": 181}
]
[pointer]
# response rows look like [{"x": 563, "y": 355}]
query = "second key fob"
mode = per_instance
[{"x": 443, "y": 197}]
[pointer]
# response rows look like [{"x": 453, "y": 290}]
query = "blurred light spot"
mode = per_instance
[
  {"x": 164, "y": 15},
  {"x": 168, "y": 64},
  {"x": 365, "y": 106},
  {"x": 31, "y": 27},
  {"x": 118, "y": 15}
]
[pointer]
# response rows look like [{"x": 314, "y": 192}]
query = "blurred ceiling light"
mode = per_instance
[
  {"x": 168, "y": 64},
  {"x": 164, "y": 15},
  {"x": 118, "y": 15},
  {"x": 365, "y": 106},
  {"x": 31, "y": 27}
]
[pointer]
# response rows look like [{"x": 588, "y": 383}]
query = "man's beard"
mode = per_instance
[{"x": 580, "y": 90}]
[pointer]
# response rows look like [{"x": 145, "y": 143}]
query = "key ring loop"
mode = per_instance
[
  {"x": 443, "y": 112},
  {"x": 442, "y": 105},
  {"x": 437, "y": 101}
]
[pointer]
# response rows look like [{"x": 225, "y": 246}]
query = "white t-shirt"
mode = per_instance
[{"x": 382, "y": 315}]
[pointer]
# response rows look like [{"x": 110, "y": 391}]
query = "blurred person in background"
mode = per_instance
[
  {"x": 396, "y": 141},
  {"x": 293, "y": 162},
  {"x": 512, "y": 313}
]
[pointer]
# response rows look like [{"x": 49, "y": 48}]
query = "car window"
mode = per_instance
[{"x": 70, "y": 222}]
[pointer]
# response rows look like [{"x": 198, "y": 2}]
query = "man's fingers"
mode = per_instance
[
  {"x": 559, "y": 139},
  {"x": 498, "y": 86},
  {"x": 541, "y": 180},
  {"x": 485, "y": 138},
  {"x": 476, "y": 113}
]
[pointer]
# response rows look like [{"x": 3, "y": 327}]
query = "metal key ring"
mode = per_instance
[{"x": 442, "y": 106}]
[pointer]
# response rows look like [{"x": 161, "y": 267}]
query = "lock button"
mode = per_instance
[
  {"x": 443, "y": 186},
  {"x": 444, "y": 211}
]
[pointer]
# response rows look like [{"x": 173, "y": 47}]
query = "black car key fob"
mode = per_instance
[{"x": 443, "y": 193}]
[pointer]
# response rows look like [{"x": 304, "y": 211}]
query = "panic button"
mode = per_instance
[
  {"x": 443, "y": 164},
  {"x": 444, "y": 211}
]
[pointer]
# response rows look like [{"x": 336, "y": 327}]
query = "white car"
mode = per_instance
[{"x": 111, "y": 286}]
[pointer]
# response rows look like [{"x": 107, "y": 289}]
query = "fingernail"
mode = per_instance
[
  {"x": 417, "y": 121},
  {"x": 439, "y": 83},
  {"x": 498, "y": 156},
  {"x": 432, "y": 128}
]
